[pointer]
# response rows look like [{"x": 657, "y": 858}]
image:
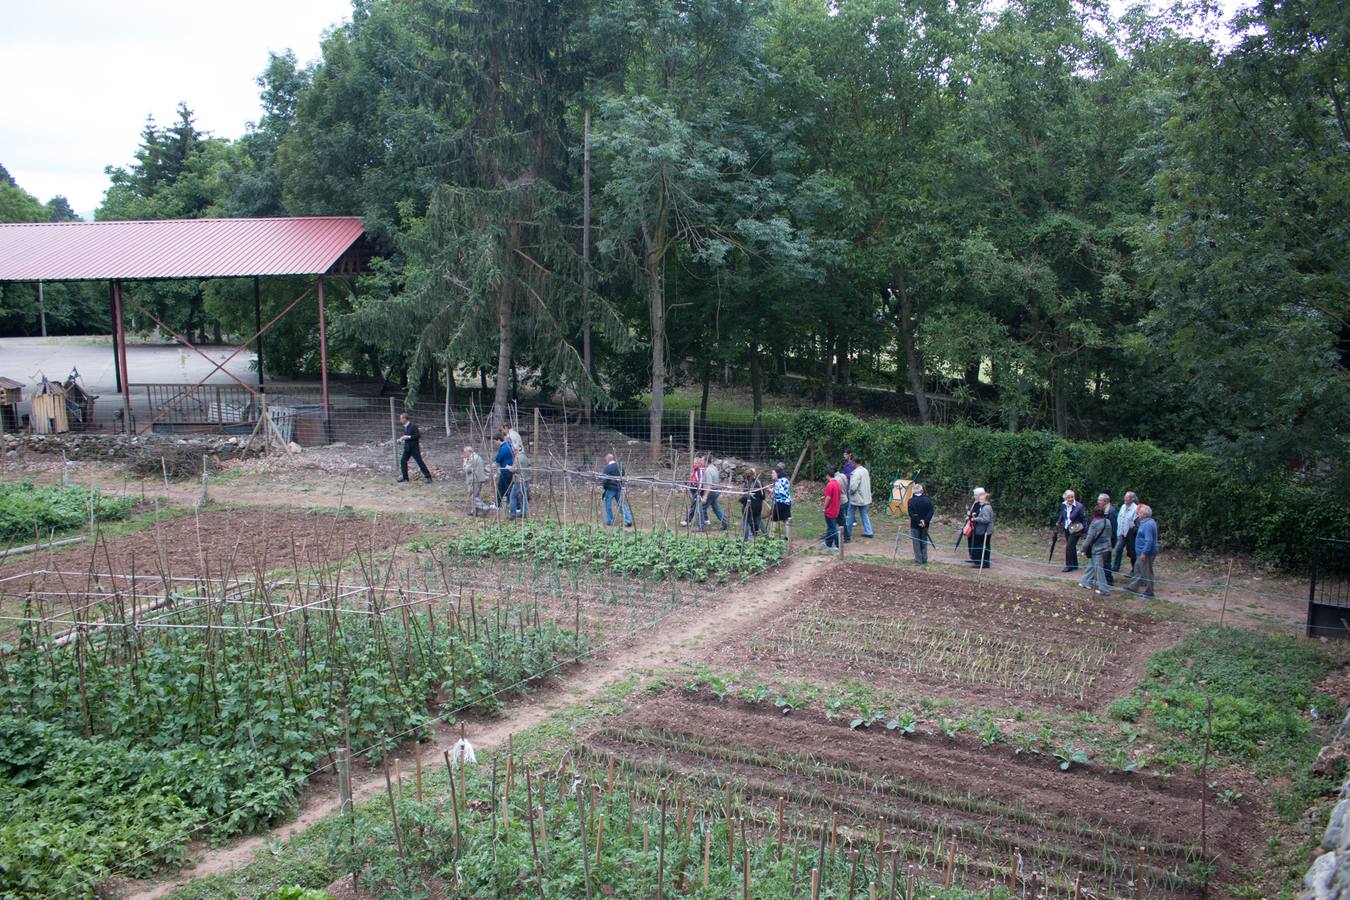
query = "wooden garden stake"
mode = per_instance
[
  {"x": 661, "y": 848},
  {"x": 534, "y": 848},
  {"x": 834, "y": 833},
  {"x": 1227, "y": 583},
  {"x": 745, "y": 866},
  {"x": 853, "y": 875},
  {"x": 815, "y": 884},
  {"x": 1012, "y": 869},
  {"x": 581, "y": 824},
  {"x": 417, "y": 759},
  {"x": 599, "y": 837},
  {"x": 492, "y": 802},
  {"x": 454, "y": 801},
  {"x": 780, "y": 827},
  {"x": 393, "y": 809},
  {"x": 707, "y": 855},
  {"x": 1077, "y": 886},
  {"x": 951, "y": 864},
  {"x": 1139, "y": 877},
  {"x": 1204, "y": 786},
  {"x": 872, "y": 891}
]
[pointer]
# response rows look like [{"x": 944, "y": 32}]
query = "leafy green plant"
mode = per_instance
[
  {"x": 1067, "y": 756},
  {"x": 904, "y": 723},
  {"x": 27, "y": 509},
  {"x": 647, "y": 554}
]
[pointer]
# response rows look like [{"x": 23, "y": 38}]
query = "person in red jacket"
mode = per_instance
[{"x": 833, "y": 501}]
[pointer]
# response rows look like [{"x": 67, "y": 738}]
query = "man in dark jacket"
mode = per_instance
[
  {"x": 412, "y": 448},
  {"x": 1071, "y": 522},
  {"x": 920, "y": 518},
  {"x": 613, "y": 492}
]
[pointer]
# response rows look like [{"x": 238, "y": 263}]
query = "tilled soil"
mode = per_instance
[
  {"x": 216, "y": 544},
  {"x": 998, "y": 807},
  {"x": 929, "y": 634}
]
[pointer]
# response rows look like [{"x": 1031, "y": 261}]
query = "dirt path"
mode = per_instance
[{"x": 664, "y": 643}]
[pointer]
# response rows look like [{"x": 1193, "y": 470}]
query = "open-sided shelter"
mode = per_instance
[{"x": 117, "y": 252}]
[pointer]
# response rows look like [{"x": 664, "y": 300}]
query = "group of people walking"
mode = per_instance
[
  {"x": 706, "y": 486},
  {"x": 512, "y": 489},
  {"x": 1106, "y": 534},
  {"x": 847, "y": 501},
  {"x": 1109, "y": 534}
]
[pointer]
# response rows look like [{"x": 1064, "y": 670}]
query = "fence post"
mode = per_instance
[
  {"x": 535, "y": 449},
  {"x": 691, "y": 432},
  {"x": 393, "y": 431}
]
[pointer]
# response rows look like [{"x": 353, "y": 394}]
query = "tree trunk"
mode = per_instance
[
  {"x": 756, "y": 399},
  {"x": 703, "y": 402},
  {"x": 376, "y": 367},
  {"x": 913, "y": 365},
  {"x": 656, "y": 311},
  {"x": 505, "y": 320},
  {"x": 1061, "y": 402},
  {"x": 827, "y": 371}
]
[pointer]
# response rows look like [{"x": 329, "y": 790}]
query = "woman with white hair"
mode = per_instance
[{"x": 981, "y": 517}]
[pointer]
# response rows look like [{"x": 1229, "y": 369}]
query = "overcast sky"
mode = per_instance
[{"x": 80, "y": 77}]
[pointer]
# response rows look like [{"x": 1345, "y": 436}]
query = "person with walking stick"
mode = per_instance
[{"x": 920, "y": 518}]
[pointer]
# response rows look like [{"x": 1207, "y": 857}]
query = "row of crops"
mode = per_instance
[
  {"x": 592, "y": 828},
  {"x": 123, "y": 743},
  {"x": 648, "y": 554}
]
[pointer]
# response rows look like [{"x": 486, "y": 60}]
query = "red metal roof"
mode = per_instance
[{"x": 174, "y": 248}]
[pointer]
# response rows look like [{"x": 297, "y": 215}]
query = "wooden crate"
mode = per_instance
[{"x": 49, "y": 412}]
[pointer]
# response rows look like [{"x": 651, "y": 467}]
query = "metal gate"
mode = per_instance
[{"x": 1329, "y": 589}]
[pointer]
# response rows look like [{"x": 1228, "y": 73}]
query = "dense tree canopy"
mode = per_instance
[{"x": 1025, "y": 215}]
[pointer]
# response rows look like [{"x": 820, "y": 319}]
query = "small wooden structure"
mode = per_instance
[
  {"x": 49, "y": 414},
  {"x": 11, "y": 392}
]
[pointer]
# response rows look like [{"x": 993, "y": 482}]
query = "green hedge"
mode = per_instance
[{"x": 1196, "y": 504}]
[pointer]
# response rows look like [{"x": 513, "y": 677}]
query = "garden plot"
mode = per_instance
[
  {"x": 939, "y": 808},
  {"x": 923, "y": 633}
]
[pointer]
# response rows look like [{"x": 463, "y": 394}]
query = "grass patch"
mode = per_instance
[{"x": 1263, "y": 688}]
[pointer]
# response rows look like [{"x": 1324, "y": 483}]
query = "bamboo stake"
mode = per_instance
[
  {"x": 707, "y": 855},
  {"x": 581, "y": 824},
  {"x": 780, "y": 827},
  {"x": 951, "y": 864},
  {"x": 454, "y": 801},
  {"x": 815, "y": 884},
  {"x": 393, "y": 809},
  {"x": 417, "y": 759},
  {"x": 661, "y": 848},
  {"x": 599, "y": 838}
]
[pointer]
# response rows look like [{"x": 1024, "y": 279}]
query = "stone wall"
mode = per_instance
[
  {"x": 1329, "y": 877},
  {"x": 145, "y": 454}
]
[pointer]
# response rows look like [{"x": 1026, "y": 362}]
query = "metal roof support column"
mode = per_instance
[
  {"x": 257, "y": 326},
  {"x": 120, "y": 348},
  {"x": 323, "y": 360}
]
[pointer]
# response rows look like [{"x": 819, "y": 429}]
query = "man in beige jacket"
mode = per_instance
[{"x": 860, "y": 498}]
